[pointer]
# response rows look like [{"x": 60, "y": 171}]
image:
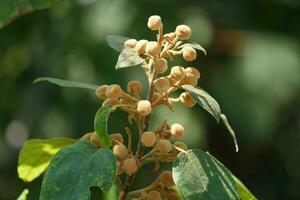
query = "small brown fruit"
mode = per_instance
[
  {"x": 183, "y": 32},
  {"x": 113, "y": 91},
  {"x": 130, "y": 166},
  {"x": 163, "y": 146},
  {"x": 187, "y": 100},
  {"x": 148, "y": 139},
  {"x": 130, "y": 43},
  {"x": 177, "y": 73},
  {"x": 154, "y": 22},
  {"x": 101, "y": 91},
  {"x": 167, "y": 179},
  {"x": 153, "y": 195},
  {"x": 189, "y": 53},
  {"x": 120, "y": 151},
  {"x": 162, "y": 84},
  {"x": 144, "y": 107},
  {"x": 161, "y": 65}
]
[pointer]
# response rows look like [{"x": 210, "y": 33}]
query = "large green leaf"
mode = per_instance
[
  {"x": 36, "y": 155},
  {"x": 11, "y": 9},
  {"x": 243, "y": 191},
  {"x": 128, "y": 57},
  {"x": 65, "y": 83},
  {"x": 212, "y": 106},
  {"x": 23, "y": 195},
  {"x": 100, "y": 124},
  {"x": 199, "y": 176},
  {"x": 77, "y": 168},
  {"x": 116, "y": 42}
]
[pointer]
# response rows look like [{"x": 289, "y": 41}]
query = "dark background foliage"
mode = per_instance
[{"x": 252, "y": 69}]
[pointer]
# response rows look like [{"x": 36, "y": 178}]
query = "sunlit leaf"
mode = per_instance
[
  {"x": 65, "y": 83},
  {"x": 116, "y": 42},
  {"x": 100, "y": 124},
  {"x": 243, "y": 191},
  {"x": 198, "y": 175},
  {"x": 112, "y": 194},
  {"x": 23, "y": 195},
  {"x": 127, "y": 58},
  {"x": 77, "y": 168},
  {"x": 36, "y": 155},
  {"x": 195, "y": 46},
  {"x": 12, "y": 9}
]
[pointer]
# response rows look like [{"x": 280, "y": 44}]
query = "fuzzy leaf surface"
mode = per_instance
[{"x": 128, "y": 58}]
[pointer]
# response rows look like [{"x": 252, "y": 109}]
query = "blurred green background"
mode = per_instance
[{"x": 252, "y": 69}]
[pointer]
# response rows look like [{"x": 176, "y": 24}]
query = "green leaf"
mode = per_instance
[
  {"x": 36, "y": 155},
  {"x": 100, "y": 124},
  {"x": 198, "y": 175},
  {"x": 129, "y": 57},
  {"x": 204, "y": 100},
  {"x": 116, "y": 42},
  {"x": 65, "y": 83},
  {"x": 77, "y": 168},
  {"x": 195, "y": 46},
  {"x": 23, "y": 195},
  {"x": 243, "y": 191},
  {"x": 112, "y": 194},
  {"x": 11, "y": 9},
  {"x": 212, "y": 106}
]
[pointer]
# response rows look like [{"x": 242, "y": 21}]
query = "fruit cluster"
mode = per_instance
[{"x": 161, "y": 87}]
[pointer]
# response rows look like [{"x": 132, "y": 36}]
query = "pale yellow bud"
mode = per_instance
[
  {"x": 183, "y": 32},
  {"x": 189, "y": 53},
  {"x": 113, "y": 91},
  {"x": 120, "y": 151},
  {"x": 187, "y": 100},
  {"x": 163, "y": 146},
  {"x": 130, "y": 166},
  {"x": 153, "y": 195},
  {"x": 152, "y": 48},
  {"x": 117, "y": 137},
  {"x": 177, "y": 130},
  {"x": 130, "y": 43},
  {"x": 141, "y": 46},
  {"x": 148, "y": 139},
  {"x": 162, "y": 84},
  {"x": 181, "y": 145},
  {"x": 110, "y": 102},
  {"x": 161, "y": 65},
  {"x": 101, "y": 91},
  {"x": 134, "y": 87},
  {"x": 154, "y": 22},
  {"x": 177, "y": 73},
  {"x": 191, "y": 72},
  {"x": 144, "y": 107}
]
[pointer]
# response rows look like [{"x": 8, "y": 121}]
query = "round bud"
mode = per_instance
[
  {"x": 144, "y": 107},
  {"x": 164, "y": 146},
  {"x": 152, "y": 48},
  {"x": 177, "y": 130},
  {"x": 183, "y": 32},
  {"x": 153, "y": 195},
  {"x": 191, "y": 72},
  {"x": 141, "y": 46},
  {"x": 95, "y": 139},
  {"x": 167, "y": 179},
  {"x": 161, "y": 65},
  {"x": 189, "y": 53},
  {"x": 187, "y": 100},
  {"x": 130, "y": 43},
  {"x": 134, "y": 87},
  {"x": 156, "y": 96},
  {"x": 173, "y": 196},
  {"x": 120, "y": 167},
  {"x": 113, "y": 91},
  {"x": 162, "y": 84},
  {"x": 130, "y": 166},
  {"x": 117, "y": 137},
  {"x": 87, "y": 136},
  {"x": 120, "y": 151},
  {"x": 101, "y": 91},
  {"x": 177, "y": 73},
  {"x": 154, "y": 22},
  {"x": 148, "y": 139},
  {"x": 181, "y": 145},
  {"x": 110, "y": 102}
]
